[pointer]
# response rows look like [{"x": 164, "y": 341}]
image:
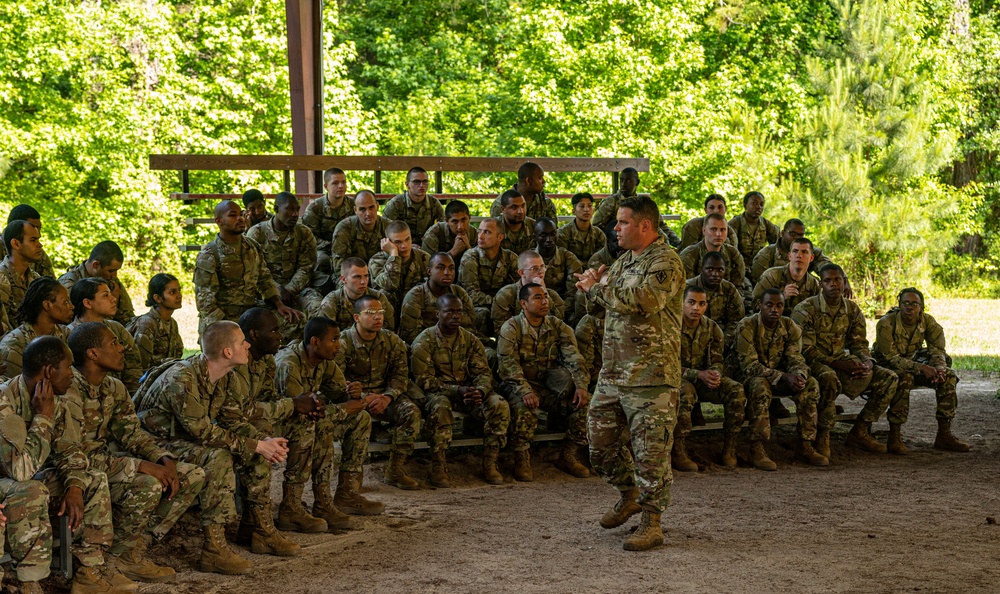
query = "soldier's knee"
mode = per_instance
[
  {"x": 147, "y": 483},
  {"x": 689, "y": 395},
  {"x": 193, "y": 478}
]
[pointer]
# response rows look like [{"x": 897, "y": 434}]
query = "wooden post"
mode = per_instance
[
  {"x": 614, "y": 181},
  {"x": 304, "y": 19},
  {"x": 378, "y": 181},
  {"x": 438, "y": 183}
]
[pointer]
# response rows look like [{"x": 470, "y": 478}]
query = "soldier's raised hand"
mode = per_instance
[
  {"x": 43, "y": 400},
  {"x": 389, "y": 247}
]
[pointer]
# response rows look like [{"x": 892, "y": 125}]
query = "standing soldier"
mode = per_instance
[
  {"x": 105, "y": 261},
  {"x": 516, "y": 228},
  {"x": 415, "y": 206},
  {"x": 725, "y": 305},
  {"x": 289, "y": 250},
  {"x": 322, "y": 216},
  {"x": 454, "y": 234},
  {"x": 361, "y": 235},
  {"x": 751, "y": 230},
  {"x": 580, "y": 236},
  {"x": 419, "y": 309},
  {"x": 792, "y": 279},
  {"x": 25, "y": 212},
  {"x": 560, "y": 265},
  {"x": 715, "y": 230},
  {"x": 531, "y": 186},
  {"x": 23, "y": 249},
  {"x": 691, "y": 232},
  {"x": 507, "y": 303},
  {"x": 46, "y": 310},
  {"x": 156, "y": 334},
  {"x": 93, "y": 302},
  {"x": 589, "y": 334},
  {"x": 399, "y": 266},
  {"x": 354, "y": 284},
  {"x": 485, "y": 269},
  {"x": 639, "y": 385}
]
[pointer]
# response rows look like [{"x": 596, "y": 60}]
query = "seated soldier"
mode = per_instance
[
  {"x": 322, "y": 216},
  {"x": 25, "y": 212},
  {"x": 450, "y": 372},
  {"x": 419, "y": 309},
  {"x": 92, "y": 302},
  {"x": 415, "y": 206},
  {"x": 46, "y": 310},
  {"x": 589, "y": 334},
  {"x": 354, "y": 284},
  {"x": 607, "y": 255},
  {"x": 507, "y": 303},
  {"x": 725, "y": 305},
  {"x": 149, "y": 490},
  {"x": 105, "y": 261},
  {"x": 703, "y": 380},
  {"x": 776, "y": 254},
  {"x": 454, "y": 234},
  {"x": 289, "y": 251},
  {"x": 399, "y": 266},
  {"x": 485, "y": 269},
  {"x": 560, "y": 265},
  {"x": 16, "y": 272},
  {"x": 254, "y": 207},
  {"x": 608, "y": 209},
  {"x": 768, "y": 361},
  {"x": 792, "y": 279},
  {"x": 517, "y": 229},
  {"x": 194, "y": 409},
  {"x": 752, "y": 231},
  {"x": 835, "y": 345},
  {"x": 691, "y": 232},
  {"x": 376, "y": 358},
  {"x": 579, "y": 236},
  {"x": 231, "y": 275},
  {"x": 540, "y": 367},
  {"x": 156, "y": 334},
  {"x": 899, "y": 336},
  {"x": 306, "y": 369},
  {"x": 531, "y": 186},
  {"x": 715, "y": 230},
  {"x": 361, "y": 235}
]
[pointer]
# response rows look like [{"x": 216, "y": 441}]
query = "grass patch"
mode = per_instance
[{"x": 985, "y": 363}]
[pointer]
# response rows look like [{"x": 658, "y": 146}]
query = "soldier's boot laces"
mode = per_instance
[
  {"x": 217, "y": 556},
  {"x": 777, "y": 409},
  {"x": 624, "y": 508},
  {"x": 88, "y": 580},
  {"x": 395, "y": 473},
  {"x": 491, "y": 474},
  {"x": 266, "y": 539},
  {"x": 439, "y": 470},
  {"x": 861, "y": 438},
  {"x": 895, "y": 443},
  {"x": 759, "y": 458},
  {"x": 729, "y": 451},
  {"x": 648, "y": 535},
  {"x": 135, "y": 565},
  {"x": 348, "y": 498},
  {"x": 679, "y": 457},
  {"x": 119, "y": 583},
  {"x": 522, "y": 466},
  {"x": 324, "y": 507},
  {"x": 569, "y": 461},
  {"x": 823, "y": 443},
  {"x": 293, "y": 517},
  {"x": 946, "y": 441},
  {"x": 808, "y": 455}
]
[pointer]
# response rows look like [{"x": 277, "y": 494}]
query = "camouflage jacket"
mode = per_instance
[
  {"x": 156, "y": 339},
  {"x": 773, "y": 255},
  {"x": 777, "y": 278},
  {"x": 701, "y": 349},
  {"x": 735, "y": 269},
  {"x": 380, "y": 365},
  {"x": 12, "y": 289},
  {"x": 517, "y": 241},
  {"x": 261, "y": 400},
  {"x": 290, "y": 257},
  {"x": 691, "y": 233},
  {"x": 590, "y": 340},
  {"x": 296, "y": 376},
  {"x": 351, "y": 240},
  {"x": 725, "y": 306},
  {"x": 418, "y": 217},
  {"x": 541, "y": 206},
  {"x": 439, "y": 238},
  {"x": 751, "y": 238},
  {"x": 608, "y": 209},
  {"x": 829, "y": 336},
  {"x": 525, "y": 352},
  {"x": 642, "y": 324},
  {"x": 767, "y": 353},
  {"x": 506, "y": 304},
  {"x": 394, "y": 277},
  {"x": 482, "y": 277},
  {"x": 133, "y": 361},
  {"x": 419, "y": 310},
  {"x": 601, "y": 258},
  {"x": 322, "y": 219},
  {"x": 13, "y": 343},
  {"x": 583, "y": 244},
  {"x": 896, "y": 343},
  {"x": 229, "y": 279},
  {"x": 43, "y": 266},
  {"x": 340, "y": 308},
  {"x": 559, "y": 272},
  {"x": 125, "y": 311},
  {"x": 442, "y": 363}
]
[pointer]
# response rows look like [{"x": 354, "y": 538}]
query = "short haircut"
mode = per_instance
[
  {"x": 455, "y": 207},
  {"x": 157, "y": 285},
  {"x": 40, "y": 290},
  {"x": 252, "y": 195},
  {"x": 106, "y": 253},
  {"x": 527, "y": 170},
  {"x": 507, "y": 196},
  {"x": 772, "y": 291},
  {"x": 493, "y": 222},
  {"x": 831, "y": 266},
  {"x": 546, "y": 221},
  {"x": 352, "y": 262},
  {"x": 525, "y": 291},
  {"x": 329, "y": 173},
  {"x": 85, "y": 288},
  {"x": 913, "y": 290},
  {"x": 415, "y": 170},
  {"x": 694, "y": 289},
  {"x": 581, "y": 196},
  {"x": 284, "y": 198},
  {"x": 254, "y": 318},
  {"x": 396, "y": 227},
  {"x": 791, "y": 222},
  {"x": 362, "y": 192},
  {"x": 362, "y": 303},
  {"x": 630, "y": 171},
  {"x": 750, "y": 195},
  {"x": 713, "y": 255},
  {"x": 23, "y": 212},
  {"x": 443, "y": 300},
  {"x": 42, "y": 352},
  {"x": 440, "y": 256},
  {"x": 805, "y": 240},
  {"x": 219, "y": 336},
  {"x": 712, "y": 197},
  {"x": 319, "y": 327},
  {"x": 14, "y": 230},
  {"x": 526, "y": 255},
  {"x": 643, "y": 208},
  {"x": 84, "y": 337},
  {"x": 713, "y": 217}
]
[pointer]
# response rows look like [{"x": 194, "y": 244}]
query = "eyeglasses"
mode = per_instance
[
  {"x": 374, "y": 312},
  {"x": 537, "y": 269},
  {"x": 420, "y": 182}
]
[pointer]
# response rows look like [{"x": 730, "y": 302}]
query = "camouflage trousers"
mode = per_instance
[
  {"x": 555, "y": 394},
  {"x": 640, "y": 419},
  {"x": 94, "y": 536},
  {"x": 404, "y": 418},
  {"x": 945, "y": 392},
  {"x": 300, "y": 433},
  {"x": 353, "y": 431},
  {"x": 438, "y": 406},
  {"x": 217, "y": 498},
  {"x": 28, "y": 532},
  {"x": 759, "y": 393},
  {"x": 729, "y": 394},
  {"x": 880, "y": 385}
]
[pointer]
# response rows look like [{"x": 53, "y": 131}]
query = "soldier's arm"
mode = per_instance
[
  {"x": 206, "y": 287},
  {"x": 422, "y": 364},
  {"x": 795, "y": 363},
  {"x": 773, "y": 232},
  {"x": 410, "y": 316},
  {"x": 934, "y": 336},
  {"x": 503, "y": 307},
  {"x": 746, "y": 351},
  {"x": 468, "y": 310},
  {"x": 181, "y": 397},
  {"x": 761, "y": 262},
  {"x": 716, "y": 349},
  {"x": 803, "y": 316},
  {"x": 340, "y": 246},
  {"x": 734, "y": 313},
  {"x": 549, "y": 210},
  {"x": 67, "y": 453},
  {"x": 584, "y": 341},
  {"x": 606, "y": 210},
  {"x": 134, "y": 367},
  {"x": 690, "y": 233},
  {"x": 495, "y": 208},
  {"x": 127, "y": 430},
  {"x": 11, "y": 353},
  {"x": 125, "y": 312},
  {"x": 390, "y": 311},
  {"x": 267, "y": 287},
  {"x": 399, "y": 368},
  {"x": 142, "y": 329},
  {"x": 468, "y": 277},
  {"x": 312, "y": 219},
  {"x": 479, "y": 369},
  {"x": 664, "y": 279},
  {"x": 305, "y": 262},
  {"x": 557, "y": 305},
  {"x": 762, "y": 284},
  {"x": 288, "y": 377},
  {"x": 429, "y": 243},
  {"x": 385, "y": 272},
  {"x": 570, "y": 355},
  {"x": 23, "y": 450},
  {"x": 509, "y": 359},
  {"x": 819, "y": 261},
  {"x": 176, "y": 348},
  {"x": 741, "y": 267},
  {"x": 885, "y": 348},
  {"x": 573, "y": 266},
  {"x": 689, "y": 260},
  {"x": 395, "y": 209},
  {"x": 857, "y": 336}
]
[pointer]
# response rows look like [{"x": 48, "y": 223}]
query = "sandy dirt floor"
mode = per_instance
[{"x": 921, "y": 523}]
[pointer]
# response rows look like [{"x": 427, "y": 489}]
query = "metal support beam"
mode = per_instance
[{"x": 305, "y": 76}]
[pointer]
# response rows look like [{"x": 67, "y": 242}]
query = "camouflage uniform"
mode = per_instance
[
  {"x": 543, "y": 360},
  {"x": 517, "y": 241},
  {"x": 898, "y": 347},
  {"x": 133, "y": 363},
  {"x": 760, "y": 357},
  {"x": 322, "y": 219},
  {"x": 482, "y": 278},
  {"x": 381, "y": 368},
  {"x": 735, "y": 269},
  {"x": 110, "y": 432},
  {"x": 13, "y": 343},
  {"x": 394, "y": 277},
  {"x": 340, "y": 308},
  {"x": 638, "y": 388},
  {"x": 541, "y": 206},
  {"x": 750, "y": 239},
  {"x": 506, "y": 305},
  {"x": 419, "y": 311},
  {"x": 583, "y": 244},
  {"x": 608, "y": 210},
  {"x": 691, "y": 233},
  {"x": 440, "y": 365},
  {"x": 774, "y": 255},
  {"x": 702, "y": 350},
  {"x": 290, "y": 257},
  {"x": 12, "y": 288},
  {"x": 43, "y": 266},
  {"x": 125, "y": 311},
  {"x": 439, "y": 238},
  {"x": 778, "y": 278},
  {"x": 725, "y": 307},
  {"x": 559, "y": 272},
  {"x": 601, "y": 258},
  {"x": 351, "y": 240},
  {"x": 589, "y": 334},
  {"x": 230, "y": 279},
  {"x": 419, "y": 217},
  {"x": 829, "y": 336},
  {"x": 156, "y": 339}
]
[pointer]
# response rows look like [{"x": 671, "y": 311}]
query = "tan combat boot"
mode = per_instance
[
  {"x": 88, "y": 580},
  {"x": 729, "y": 451},
  {"x": 895, "y": 443},
  {"x": 135, "y": 565},
  {"x": 807, "y": 454},
  {"x": 569, "y": 461},
  {"x": 823, "y": 443},
  {"x": 348, "y": 497},
  {"x": 491, "y": 474},
  {"x": 439, "y": 470},
  {"x": 324, "y": 507},
  {"x": 119, "y": 583},
  {"x": 624, "y": 508},
  {"x": 31, "y": 588},
  {"x": 946, "y": 441},
  {"x": 758, "y": 456},
  {"x": 679, "y": 457},
  {"x": 266, "y": 539},
  {"x": 522, "y": 466},
  {"x": 861, "y": 438},
  {"x": 648, "y": 535},
  {"x": 292, "y": 516},
  {"x": 395, "y": 473},
  {"x": 217, "y": 556}
]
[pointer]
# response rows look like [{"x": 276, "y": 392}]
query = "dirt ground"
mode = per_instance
[{"x": 921, "y": 523}]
